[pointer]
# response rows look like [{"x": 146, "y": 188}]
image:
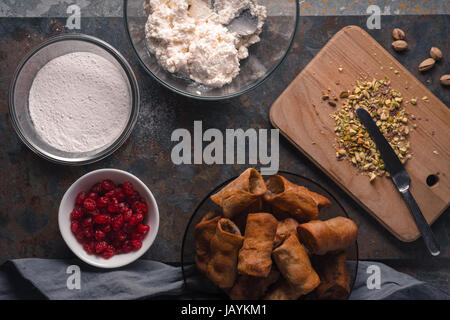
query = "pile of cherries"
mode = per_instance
[{"x": 108, "y": 219}]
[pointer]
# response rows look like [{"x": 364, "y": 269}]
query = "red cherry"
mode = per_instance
[
  {"x": 119, "y": 194},
  {"x": 108, "y": 252},
  {"x": 102, "y": 202},
  {"x": 139, "y": 206},
  {"x": 93, "y": 196},
  {"x": 128, "y": 228},
  {"x": 133, "y": 198},
  {"x": 117, "y": 222},
  {"x": 127, "y": 247},
  {"x": 137, "y": 244},
  {"x": 142, "y": 228},
  {"x": 113, "y": 205},
  {"x": 99, "y": 235},
  {"x": 77, "y": 213},
  {"x": 101, "y": 246},
  {"x": 102, "y": 219},
  {"x": 107, "y": 185},
  {"x": 127, "y": 215},
  {"x": 81, "y": 197},
  {"x": 119, "y": 236},
  {"x": 128, "y": 188},
  {"x": 122, "y": 207},
  {"x": 94, "y": 213},
  {"x": 88, "y": 233},
  {"x": 74, "y": 226},
  {"x": 89, "y": 247},
  {"x": 110, "y": 194},
  {"x": 79, "y": 235},
  {"x": 106, "y": 228},
  {"x": 139, "y": 217},
  {"x": 137, "y": 236},
  {"x": 86, "y": 222},
  {"x": 97, "y": 188},
  {"x": 89, "y": 204},
  {"x": 136, "y": 218}
]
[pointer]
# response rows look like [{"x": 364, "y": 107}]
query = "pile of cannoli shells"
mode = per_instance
[{"x": 267, "y": 242}]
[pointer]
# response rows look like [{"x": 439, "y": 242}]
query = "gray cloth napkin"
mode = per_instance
[{"x": 145, "y": 279}]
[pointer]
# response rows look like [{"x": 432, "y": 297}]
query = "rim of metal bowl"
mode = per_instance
[
  {"x": 134, "y": 104},
  {"x": 255, "y": 84},
  {"x": 186, "y": 231}
]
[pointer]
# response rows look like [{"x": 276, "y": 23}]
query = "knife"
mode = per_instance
[{"x": 400, "y": 178}]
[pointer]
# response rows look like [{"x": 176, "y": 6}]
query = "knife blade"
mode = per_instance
[{"x": 400, "y": 178}]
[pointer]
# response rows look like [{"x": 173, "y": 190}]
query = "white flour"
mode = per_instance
[
  {"x": 79, "y": 102},
  {"x": 187, "y": 37}
]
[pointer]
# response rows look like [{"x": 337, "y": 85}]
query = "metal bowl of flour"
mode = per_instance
[
  {"x": 23, "y": 81},
  {"x": 264, "y": 58}
]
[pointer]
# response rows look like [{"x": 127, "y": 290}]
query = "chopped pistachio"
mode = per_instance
[
  {"x": 353, "y": 141},
  {"x": 344, "y": 94}
]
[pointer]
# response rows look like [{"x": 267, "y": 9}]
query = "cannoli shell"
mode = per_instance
[
  {"x": 255, "y": 255},
  {"x": 241, "y": 193},
  {"x": 253, "y": 288},
  {"x": 321, "y": 201},
  {"x": 333, "y": 274},
  {"x": 241, "y": 219},
  {"x": 294, "y": 265},
  {"x": 224, "y": 247},
  {"x": 282, "y": 290},
  {"x": 334, "y": 234},
  {"x": 289, "y": 197},
  {"x": 285, "y": 228},
  {"x": 204, "y": 231}
]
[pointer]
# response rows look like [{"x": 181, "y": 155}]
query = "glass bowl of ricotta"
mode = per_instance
[
  {"x": 211, "y": 49},
  {"x": 74, "y": 99}
]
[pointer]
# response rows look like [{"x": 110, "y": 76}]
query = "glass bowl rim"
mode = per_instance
[
  {"x": 255, "y": 84},
  {"x": 334, "y": 198},
  {"x": 134, "y": 103}
]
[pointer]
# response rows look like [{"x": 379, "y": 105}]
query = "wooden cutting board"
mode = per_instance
[{"x": 304, "y": 119}]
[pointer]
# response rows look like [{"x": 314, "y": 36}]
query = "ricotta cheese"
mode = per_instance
[{"x": 190, "y": 39}]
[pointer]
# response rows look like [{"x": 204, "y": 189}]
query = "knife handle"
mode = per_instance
[{"x": 421, "y": 223}]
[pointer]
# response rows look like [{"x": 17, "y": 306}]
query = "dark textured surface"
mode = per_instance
[
  {"x": 31, "y": 188},
  {"x": 113, "y": 8}
]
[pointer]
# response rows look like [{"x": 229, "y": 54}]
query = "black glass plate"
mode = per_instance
[{"x": 206, "y": 287}]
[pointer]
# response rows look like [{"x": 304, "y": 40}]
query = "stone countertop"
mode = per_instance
[
  {"x": 113, "y": 8},
  {"x": 31, "y": 188}
]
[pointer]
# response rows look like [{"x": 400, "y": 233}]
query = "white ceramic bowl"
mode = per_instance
[{"x": 85, "y": 183}]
